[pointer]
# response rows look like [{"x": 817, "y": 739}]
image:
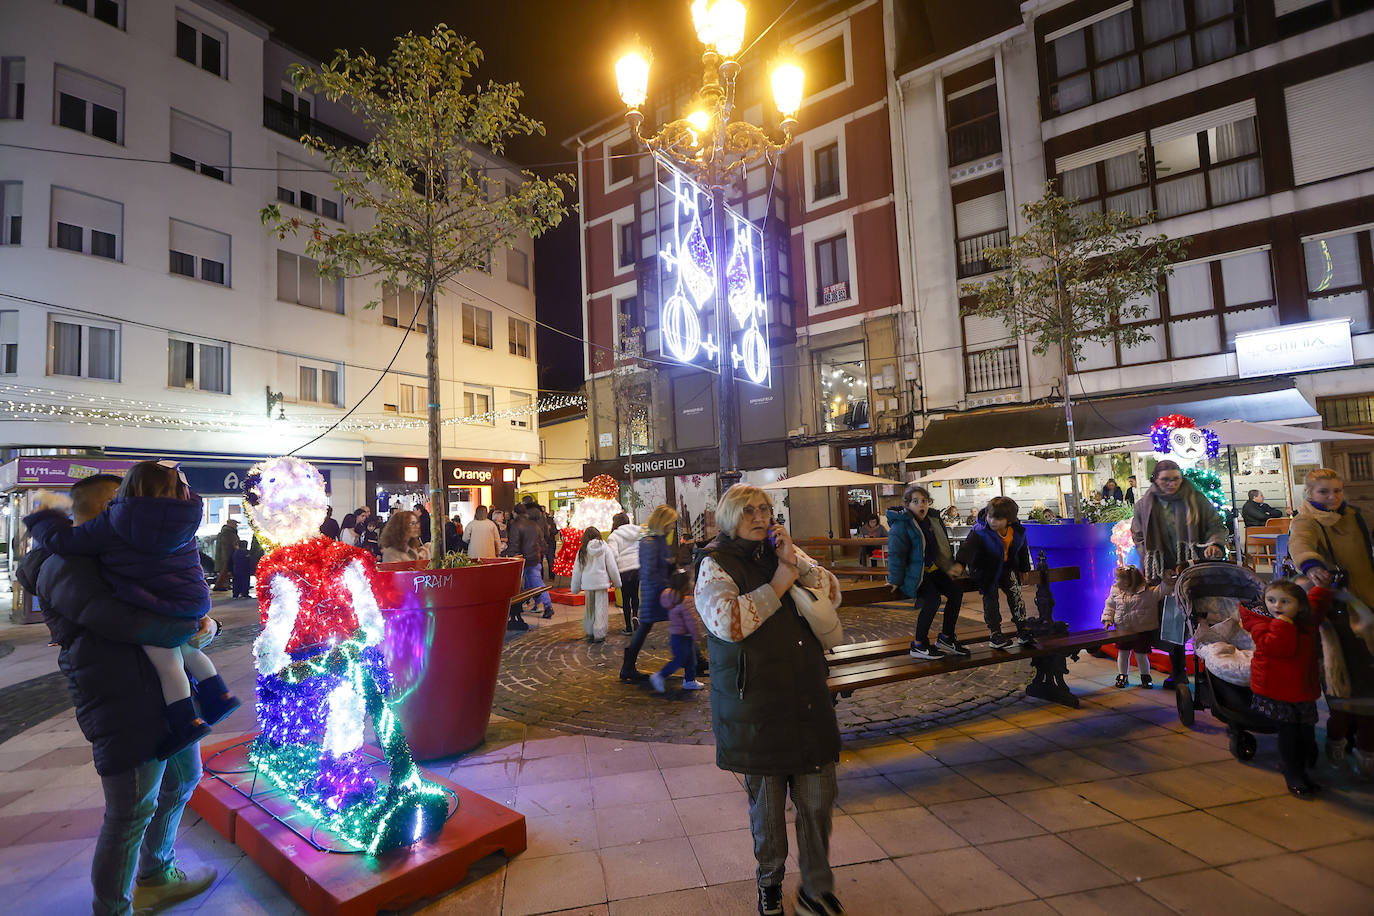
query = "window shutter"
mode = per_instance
[
  {"x": 1198, "y": 123},
  {"x": 90, "y": 89},
  {"x": 979, "y": 330},
  {"x": 1284, "y": 7},
  {"x": 87, "y": 211},
  {"x": 203, "y": 243},
  {"x": 1098, "y": 153},
  {"x": 199, "y": 141},
  {"x": 1331, "y": 124},
  {"x": 980, "y": 215}
]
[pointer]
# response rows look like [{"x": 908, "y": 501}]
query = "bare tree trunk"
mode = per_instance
[
  {"x": 438, "y": 494},
  {"x": 1065, "y": 327}
]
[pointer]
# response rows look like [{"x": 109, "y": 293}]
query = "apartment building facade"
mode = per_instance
[
  {"x": 1243, "y": 125},
  {"x": 146, "y": 312}
]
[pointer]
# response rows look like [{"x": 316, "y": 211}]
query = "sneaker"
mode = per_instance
[
  {"x": 952, "y": 645},
  {"x": 923, "y": 649},
  {"x": 770, "y": 900},
  {"x": 656, "y": 680},
  {"x": 1147, "y": 682},
  {"x": 1000, "y": 641},
  {"x": 172, "y": 886},
  {"x": 823, "y": 905},
  {"x": 1025, "y": 640},
  {"x": 1121, "y": 681},
  {"x": 693, "y": 685}
]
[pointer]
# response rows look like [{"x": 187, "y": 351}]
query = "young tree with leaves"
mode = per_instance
[
  {"x": 432, "y": 213},
  {"x": 1071, "y": 279},
  {"x": 631, "y": 379}
]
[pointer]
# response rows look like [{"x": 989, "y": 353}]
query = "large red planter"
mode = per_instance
[{"x": 444, "y": 633}]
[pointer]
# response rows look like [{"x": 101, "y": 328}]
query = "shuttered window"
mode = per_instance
[
  {"x": 1331, "y": 124},
  {"x": 199, "y": 146}
]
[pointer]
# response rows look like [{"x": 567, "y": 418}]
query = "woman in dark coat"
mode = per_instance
[{"x": 655, "y": 564}]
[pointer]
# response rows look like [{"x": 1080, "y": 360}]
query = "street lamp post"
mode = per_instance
[{"x": 714, "y": 150}]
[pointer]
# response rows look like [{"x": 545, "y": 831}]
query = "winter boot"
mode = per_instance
[
  {"x": 1364, "y": 763},
  {"x": 628, "y": 673},
  {"x": 185, "y": 726},
  {"x": 216, "y": 702}
]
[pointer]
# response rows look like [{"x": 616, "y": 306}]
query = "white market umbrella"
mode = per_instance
[
  {"x": 999, "y": 463},
  {"x": 1244, "y": 432},
  {"x": 828, "y": 477}
]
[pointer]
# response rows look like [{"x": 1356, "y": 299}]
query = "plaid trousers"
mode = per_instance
[{"x": 813, "y": 795}]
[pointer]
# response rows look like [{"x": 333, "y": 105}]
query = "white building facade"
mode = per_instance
[{"x": 146, "y": 312}]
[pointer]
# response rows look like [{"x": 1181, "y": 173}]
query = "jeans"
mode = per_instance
[
  {"x": 629, "y": 596},
  {"x": 637, "y": 640},
  {"x": 534, "y": 578},
  {"x": 142, "y": 812},
  {"x": 813, "y": 795},
  {"x": 992, "y": 611},
  {"x": 934, "y": 586},
  {"x": 684, "y": 656}
]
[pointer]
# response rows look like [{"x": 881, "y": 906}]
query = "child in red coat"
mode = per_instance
[{"x": 1285, "y": 674}]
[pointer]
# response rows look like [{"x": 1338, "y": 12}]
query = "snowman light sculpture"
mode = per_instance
[
  {"x": 322, "y": 677},
  {"x": 1178, "y": 437}
]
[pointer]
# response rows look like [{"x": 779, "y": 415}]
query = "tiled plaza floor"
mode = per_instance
[{"x": 1018, "y": 808}]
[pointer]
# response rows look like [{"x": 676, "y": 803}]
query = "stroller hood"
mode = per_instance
[{"x": 1218, "y": 580}]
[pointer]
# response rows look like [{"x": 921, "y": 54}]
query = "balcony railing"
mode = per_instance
[
  {"x": 992, "y": 370},
  {"x": 285, "y": 120},
  {"x": 972, "y": 252},
  {"x": 975, "y": 140}
]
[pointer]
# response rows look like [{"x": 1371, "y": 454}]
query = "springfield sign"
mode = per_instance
[{"x": 1295, "y": 348}]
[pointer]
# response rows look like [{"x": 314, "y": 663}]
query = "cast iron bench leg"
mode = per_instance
[{"x": 1048, "y": 682}]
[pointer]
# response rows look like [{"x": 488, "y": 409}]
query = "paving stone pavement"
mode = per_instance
[{"x": 553, "y": 678}]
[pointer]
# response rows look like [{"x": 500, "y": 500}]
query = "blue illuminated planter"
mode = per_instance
[{"x": 1088, "y": 546}]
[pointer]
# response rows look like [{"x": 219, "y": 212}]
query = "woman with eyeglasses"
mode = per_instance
[{"x": 771, "y": 711}]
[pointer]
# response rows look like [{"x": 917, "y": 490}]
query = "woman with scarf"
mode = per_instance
[
  {"x": 772, "y": 714},
  {"x": 1174, "y": 526},
  {"x": 1329, "y": 537}
]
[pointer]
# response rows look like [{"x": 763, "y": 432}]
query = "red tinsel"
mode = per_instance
[
  {"x": 317, "y": 567},
  {"x": 567, "y": 554}
]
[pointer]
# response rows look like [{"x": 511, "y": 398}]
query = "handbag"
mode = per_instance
[
  {"x": 819, "y": 613},
  {"x": 1173, "y": 623}
]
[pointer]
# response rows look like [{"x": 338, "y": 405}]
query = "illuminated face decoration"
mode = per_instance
[
  {"x": 1179, "y": 438},
  {"x": 1188, "y": 444},
  {"x": 285, "y": 500}
]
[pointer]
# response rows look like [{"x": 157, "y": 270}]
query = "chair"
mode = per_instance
[
  {"x": 1259, "y": 550},
  {"x": 1281, "y": 525}
]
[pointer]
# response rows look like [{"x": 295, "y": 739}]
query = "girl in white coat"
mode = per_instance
[{"x": 595, "y": 572}]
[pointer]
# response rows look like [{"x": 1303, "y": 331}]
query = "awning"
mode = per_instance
[
  {"x": 1104, "y": 421},
  {"x": 552, "y": 471}
]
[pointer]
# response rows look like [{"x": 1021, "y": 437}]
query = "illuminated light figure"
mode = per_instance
[
  {"x": 1179, "y": 437},
  {"x": 739, "y": 283},
  {"x": 696, "y": 266},
  {"x": 322, "y": 677},
  {"x": 681, "y": 327},
  {"x": 597, "y": 508}
]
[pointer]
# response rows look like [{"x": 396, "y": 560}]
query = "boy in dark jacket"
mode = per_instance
[
  {"x": 243, "y": 570},
  {"x": 996, "y": 555}
]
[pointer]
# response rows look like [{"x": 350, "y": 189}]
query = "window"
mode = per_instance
[
  {"x": 623, "y": 156},
  {"x": 201, "y": 365},
  {"x": 11, "y": 212},
  {"x": 201, "y": 44},
  {"x": 843, "y": 386},
  {"x": 1346, "y": 412},
  {"x": 520, "y": 403},
  {"x": 1201, "y": 162},
  {"x": 200, "y": 147},
  {"x": 89, "y": 105},
  {"x": 632, "y": 424},
  {"x": 399, "y": 307},
  {"x": 476, "y": 326},
  {"x": 518, "y": 333},
  {"x": 477, "y": 403},
  {"x": 87, "y": 224},
  {"x": 199, "y": 253},
  {"x": 299, "y": 280},
  {"x": 83, "y": 349},
  {"x": 832, "y": 270},
  {"x": 110, "y": 12},
  {"x": 1132, "y": 44},
  {"x": 1294, "y": 16},
  {"x": 1326, "y": 146},
  {"x": 414, "y": 399},
  {"x": 979, "y": 224},
  {"x": 993, "y": 369},
  {"x": 827, "y": 171},
  {"x": 631, "y": 327},
  {"x": 1337, "y": 283},
  {"x": 973, "y": 127},
  {"x": 625, "y": 236},
  {"x": 1359, "y": 466},
  {"x": 309, "y": 188},
  {"x": 319, "y": 384},
  {"x": 11, "y": 87},
  {"x": 9, "y": 342},
  {"x": 824, "y": 65},
  {"x": 518, "y": 268}
]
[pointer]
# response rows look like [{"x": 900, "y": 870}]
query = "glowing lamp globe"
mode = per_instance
[
  {"x": 632, "y": 78},
  {"x": 285, "y": 500},
  {"x": 787, "y": 89}
]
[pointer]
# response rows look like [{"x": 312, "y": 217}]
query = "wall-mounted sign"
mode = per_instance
[
  {"x": 605, "y": 440},
  {"x": 688, "y": 282},
  {"x": 1295, "y": 348}
]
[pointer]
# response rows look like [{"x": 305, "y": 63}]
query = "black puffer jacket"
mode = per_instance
[
  {"x": 116, "y": 692},
  {"x": 526, "y": 539}
]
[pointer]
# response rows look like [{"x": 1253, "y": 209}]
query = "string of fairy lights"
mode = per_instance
[{"x": 24, "y": 402}]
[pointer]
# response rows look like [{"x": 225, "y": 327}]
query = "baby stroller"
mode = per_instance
[{"x": 1209, "y": 595}]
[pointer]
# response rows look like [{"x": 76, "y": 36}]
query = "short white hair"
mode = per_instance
[{"x": 731, "y": 506}]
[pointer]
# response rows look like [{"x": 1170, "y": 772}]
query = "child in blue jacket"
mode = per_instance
[
  {"x": 146, "y": 543},
  {"x": 996, "y": 555}
]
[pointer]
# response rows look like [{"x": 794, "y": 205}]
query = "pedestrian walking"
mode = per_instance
[
  {"x": 595, "y": 573},
  {"x": 624, "y": 543},
  {"x": 329, "y": 528},
  {"x": 683, "y": 632},
  {"x": 655, "y": 565},
  {"x": 225, "y": 544},
  {"x": 482, "y": 537},
  {"x": 526, "y": 539}
]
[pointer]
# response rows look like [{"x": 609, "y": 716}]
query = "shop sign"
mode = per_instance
[
  {"x": 1293, "y": 348},
  {"x": 58, "y": 472},
  {"x": 474, "y": 475},
  {"x": 655, "y": 465},
  {"x": 225, "y": 480}
]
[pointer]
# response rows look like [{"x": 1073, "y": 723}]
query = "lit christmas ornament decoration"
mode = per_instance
[
  {"x": 1178, "y": 437},
  {"x": 322, "y": 677},
  {"x": 598, "y": 506}
]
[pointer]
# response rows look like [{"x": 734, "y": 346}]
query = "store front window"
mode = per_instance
[{"x": 843, "y": 386}]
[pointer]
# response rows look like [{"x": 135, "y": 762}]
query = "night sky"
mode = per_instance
[{"x": 562, "y": 52}]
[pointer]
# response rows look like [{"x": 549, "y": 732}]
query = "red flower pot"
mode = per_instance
[{"x": 444, "y": 633}]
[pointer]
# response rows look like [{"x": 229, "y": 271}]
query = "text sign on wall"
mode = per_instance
[
  {"x": 1295, "y": 348},
  {"x": 688, "y": 287}
]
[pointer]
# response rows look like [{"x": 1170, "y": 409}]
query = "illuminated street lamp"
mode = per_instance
[{"x": 713, "y": 149}]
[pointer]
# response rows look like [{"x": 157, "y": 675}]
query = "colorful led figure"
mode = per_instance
[
  {"x": 1178, "y": 437},
  {"x": 321, "y": 673},
  {"x": 688, "y": 282},
  {"x": 597, "y": 507}
]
